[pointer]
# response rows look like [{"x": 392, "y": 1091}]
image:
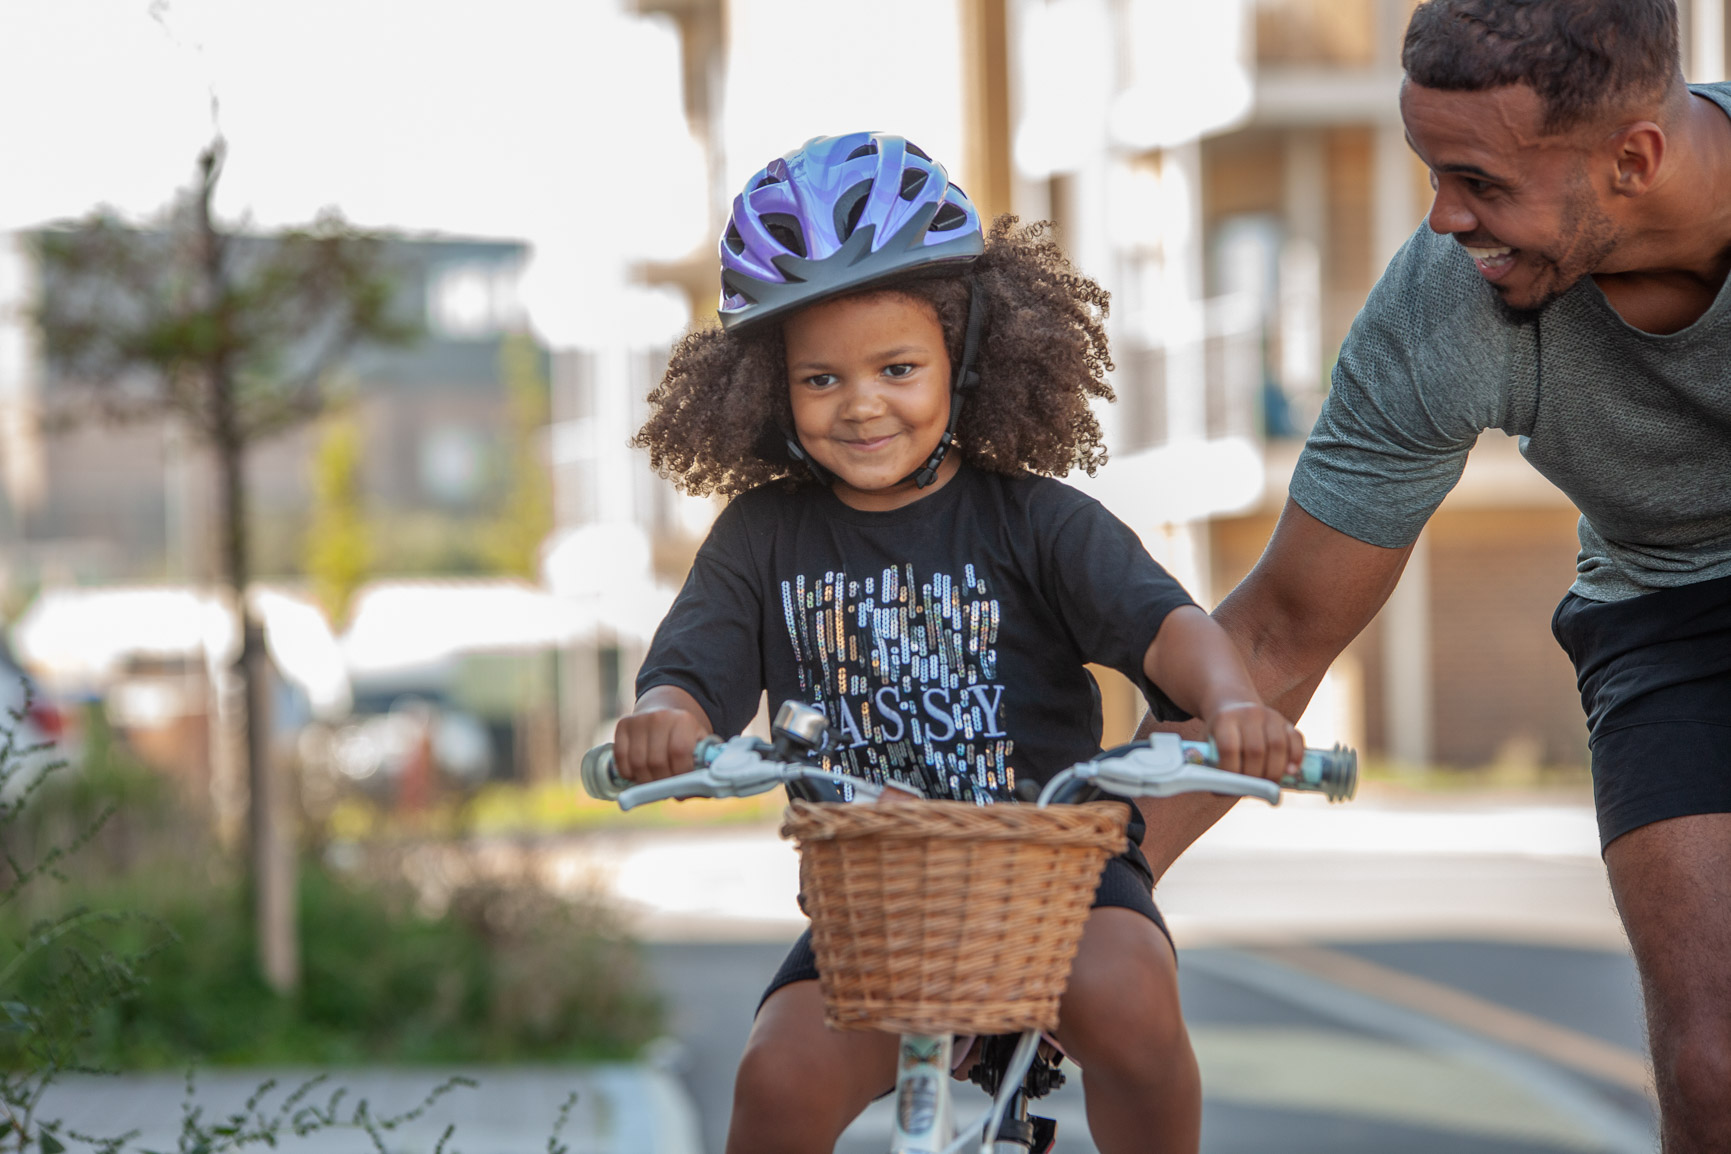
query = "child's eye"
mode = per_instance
[
  {"x": 821, "y": 380},
  {"x": 897, "y": 370}
]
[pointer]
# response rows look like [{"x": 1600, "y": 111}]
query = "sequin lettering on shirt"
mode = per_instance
[{"x": 904, "y": 668}]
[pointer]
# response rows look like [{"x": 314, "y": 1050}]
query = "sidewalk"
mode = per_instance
[
  {"x": 1388, "y": 865},
  {"x": 1397, "y": 865},
  {"x": 624, "y": 1109}
]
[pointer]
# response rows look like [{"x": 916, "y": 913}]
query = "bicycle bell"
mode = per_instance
[{"x": 798, "y": 726}]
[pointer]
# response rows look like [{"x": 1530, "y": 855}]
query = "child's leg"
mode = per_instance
[
  {"x": 800, "y": 1083},
  {"x": 1121, "y": 1022}
]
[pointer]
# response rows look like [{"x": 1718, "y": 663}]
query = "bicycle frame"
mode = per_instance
[{"x": 923, "y": 1121}]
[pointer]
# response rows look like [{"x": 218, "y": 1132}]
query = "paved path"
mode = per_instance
[{"x": 1294, "y": 1062}]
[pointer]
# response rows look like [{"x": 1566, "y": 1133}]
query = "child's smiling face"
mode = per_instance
[{"x": 869, "y": 378}]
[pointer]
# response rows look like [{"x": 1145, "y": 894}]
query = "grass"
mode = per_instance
[
  {"x": 1507, "y": 777},
  {"x": 510, "y": 810}
]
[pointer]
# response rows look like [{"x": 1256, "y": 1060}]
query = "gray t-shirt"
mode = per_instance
[{"x": 1635, "y": 428}]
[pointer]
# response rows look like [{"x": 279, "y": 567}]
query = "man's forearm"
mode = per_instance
[{"x": 1307, "y": 598}]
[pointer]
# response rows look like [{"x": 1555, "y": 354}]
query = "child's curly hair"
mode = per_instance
[{"x": 720, "y": 413}]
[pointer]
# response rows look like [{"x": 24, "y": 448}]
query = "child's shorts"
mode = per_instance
[
  {"x": 1122, "y": 884},
  {"x": 1655, "y": 679}
]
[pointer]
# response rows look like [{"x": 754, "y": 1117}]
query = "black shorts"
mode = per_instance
[
  {"x": 1123, "y": 884},
  {"x": 1655, "y": 679}
]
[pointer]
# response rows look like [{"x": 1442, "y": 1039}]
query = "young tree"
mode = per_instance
[
  {"x": 338, "y": 550},
  {"x": 232, "y": 336},
  {"x": 513, "y": 542}
]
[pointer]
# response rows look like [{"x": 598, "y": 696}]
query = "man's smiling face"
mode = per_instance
[{"x": 1519, "y": 199}]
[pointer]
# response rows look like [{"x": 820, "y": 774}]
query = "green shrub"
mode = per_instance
[
  {"x": 502, "y": 973},
  {"x": 70, "y": 985}
]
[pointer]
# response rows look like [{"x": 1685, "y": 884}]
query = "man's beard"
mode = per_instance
[{"x": 1588, "y": 237}]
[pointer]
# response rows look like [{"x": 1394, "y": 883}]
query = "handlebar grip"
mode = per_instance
[
  {"x": 600, "y": 776},
  {"x": 603, "y": 782},
  {"x": 1330, "y": 772}
]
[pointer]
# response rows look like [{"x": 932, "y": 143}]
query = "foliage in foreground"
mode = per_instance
[
  {"x": 503, "y": 972},
  {"x": 120, "y": 944},
  {"x": 500, "y": 977}
]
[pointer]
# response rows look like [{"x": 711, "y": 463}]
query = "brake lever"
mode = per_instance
[
  {"x": 1157, "y": 767},
  {"x": 697, "y": 783},
  {"x": 738, "y": 768},
  {"x": 1160, "y": 780}
]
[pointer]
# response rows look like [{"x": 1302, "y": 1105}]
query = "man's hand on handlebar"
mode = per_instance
[
  {"x": 1254, "y": 739},
  {"x": 657, "y": 739}
]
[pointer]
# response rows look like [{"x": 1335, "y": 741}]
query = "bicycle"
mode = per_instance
[{"x": 1013, "y": 1069}]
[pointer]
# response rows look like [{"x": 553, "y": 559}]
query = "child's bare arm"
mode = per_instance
[
  {"x": 657, "y": 739},
  {"x": 1196, "y": 664}
]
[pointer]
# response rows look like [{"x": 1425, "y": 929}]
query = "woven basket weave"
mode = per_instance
[{"x": 936, "y": 917}]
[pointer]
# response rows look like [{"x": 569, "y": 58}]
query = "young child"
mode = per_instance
[{"x": 886, "y": 402}]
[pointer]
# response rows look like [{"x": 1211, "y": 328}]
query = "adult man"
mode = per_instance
[{"x": 1569, "y": 290}]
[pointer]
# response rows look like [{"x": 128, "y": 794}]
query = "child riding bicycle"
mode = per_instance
[{"x": 887, "y": 402}]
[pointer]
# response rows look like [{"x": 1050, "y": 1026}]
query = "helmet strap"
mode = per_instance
[
  {"x": 966, "y": 378},
  {"x": 797, "y": 451}
]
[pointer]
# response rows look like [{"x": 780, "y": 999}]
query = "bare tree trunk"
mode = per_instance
[{"x": 270, "y": 857}]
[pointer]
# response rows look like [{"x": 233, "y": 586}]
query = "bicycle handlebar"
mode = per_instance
[
  {"x": 1161, "y": 765},
  {"x": 739, "y": 767}
]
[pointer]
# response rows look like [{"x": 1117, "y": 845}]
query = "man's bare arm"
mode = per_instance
[{"x": 1312, "y": 592}]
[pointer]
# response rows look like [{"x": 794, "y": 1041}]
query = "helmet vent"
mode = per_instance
[
  {"x": 733, "y": 297},
  {"x": 849, "y": 207},
  {"x": 766, "y": 182},
  {"x": 948, "y": 217},
  {"x": 735, "y": 243},
  {"x": 917, "y": 151},
  {"x": 869, "y": 148},
  {"x": 913, "y": 180},
  {"x": 786, "y": 231}
]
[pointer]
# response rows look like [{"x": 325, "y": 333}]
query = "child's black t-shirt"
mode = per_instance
[{"x": 944, "y": 640}]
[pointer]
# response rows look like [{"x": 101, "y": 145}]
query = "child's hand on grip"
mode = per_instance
[
  {"x": 656, "y": 742},
  {"x": 1255, "y": 740}
]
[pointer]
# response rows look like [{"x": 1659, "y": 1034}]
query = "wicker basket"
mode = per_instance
[{"x": 935, "y": 917}]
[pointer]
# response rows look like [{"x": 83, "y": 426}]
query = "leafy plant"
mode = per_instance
[
  {"x": 501, "y": 970},
  {"x": 88, "y": 961},
  {"x": 339, "y": 551},
  {"x": 513, "y": 541},
  {"x": 45, "y": 1031}
]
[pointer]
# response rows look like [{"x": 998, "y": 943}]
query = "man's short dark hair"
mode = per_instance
[{"x": 1582, "y": 57}]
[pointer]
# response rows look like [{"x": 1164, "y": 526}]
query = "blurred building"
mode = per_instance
[
  {"x": 1237, "y": 174},
  {"x": 114, "y": 525},
  {"x": 93, "y": 502}
]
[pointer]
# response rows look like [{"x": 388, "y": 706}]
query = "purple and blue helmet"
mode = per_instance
[{"x": 837, "y": 214}]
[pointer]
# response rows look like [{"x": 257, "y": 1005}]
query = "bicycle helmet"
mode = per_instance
[
  {"x": 837, "y": 214},
  {"x": 843, "y": 213}
]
